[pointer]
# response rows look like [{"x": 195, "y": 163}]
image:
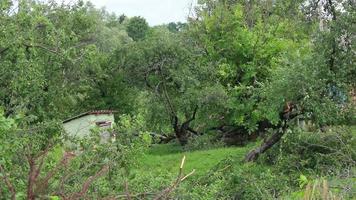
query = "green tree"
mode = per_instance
[
  {"x": 137, "y": 28},
  {"x": 249, "y": 44},
  {"x": 244, "y": 41},
  {"x": 48, "y": 61},
  {"x": 35, "y": 164},
  {"x": 163, "y": 65},
  {"x": 176, "y": 27},
  {"x": 315, "y": 79},
  {"x": 50, "y": 57}
]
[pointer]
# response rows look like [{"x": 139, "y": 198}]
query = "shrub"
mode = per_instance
[{"x": 318, "y": 152}]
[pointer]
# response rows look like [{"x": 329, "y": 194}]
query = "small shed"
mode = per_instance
[{"x": 82, "y": 124}]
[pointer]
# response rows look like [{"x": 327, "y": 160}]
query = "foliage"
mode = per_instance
[
  {"x": 235, "y": 68},
  {"x": 44, "y": 45},
  {"x": 176, "y": 27},
  {"x": 163, "y": 65},
  {"x": 325, "y": 153},
  {"x": 137, "y": 28},
  {"x": 96, "y": 169},
  {"x": 245, "y": 46},
  {"x": 119, "y": 155}
]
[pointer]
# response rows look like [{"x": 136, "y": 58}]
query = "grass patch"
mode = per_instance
[
  {"x": 167, "y": 157},
  {"x": 220, "y": 174},
  {"x": 353, "y": 130}
]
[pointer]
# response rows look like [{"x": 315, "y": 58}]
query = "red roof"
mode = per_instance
[{"x": 94, "y": 112}]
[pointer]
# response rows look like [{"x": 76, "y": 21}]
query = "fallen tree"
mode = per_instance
[{"x": 289, "y": 113}]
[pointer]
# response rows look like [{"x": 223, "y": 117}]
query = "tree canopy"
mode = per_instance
[{"x": 236, "y": 70}]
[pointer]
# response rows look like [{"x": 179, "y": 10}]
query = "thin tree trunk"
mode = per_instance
[
  {"x": 267, "y": 144},
  {"x": 31, "y": 179},
  {"x": 289, "y": 112}
]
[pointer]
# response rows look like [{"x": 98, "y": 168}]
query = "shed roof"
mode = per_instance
[{"x": 94, "y": 112}]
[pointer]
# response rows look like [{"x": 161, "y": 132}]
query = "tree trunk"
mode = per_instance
[
  {"x": 181, "y": 131},
  {"x": 253, "y": 155},
  {"x": 289, "y": 112},
  {"x": 31, "y": 179},
  {"x": 182, "y": 136}
]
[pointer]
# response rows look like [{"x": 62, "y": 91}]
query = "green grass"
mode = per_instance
[
  {"x": 353, "y": 130},
  {"x": 166, "y": 158},
  {"x": 159, "y": 166}
]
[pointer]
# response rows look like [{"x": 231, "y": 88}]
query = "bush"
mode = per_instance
[{"x": 325, "y": 153}]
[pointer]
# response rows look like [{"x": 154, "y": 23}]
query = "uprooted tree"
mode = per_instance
[{"x": 289, "y": 113}]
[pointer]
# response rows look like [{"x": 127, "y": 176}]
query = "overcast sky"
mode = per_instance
[{"x": 154, "y": 11}]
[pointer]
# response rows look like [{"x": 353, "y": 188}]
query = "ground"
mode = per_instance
[
  {"x": 161, "y": 164},
  {"x": 167, "y": 157}
]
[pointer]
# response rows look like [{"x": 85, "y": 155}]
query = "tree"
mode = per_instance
[
  {"x": 316, "y": 81},
  {"x": 163, "y": 66},
  {"x": 122, "y": 18},
  {"x": 46, "y": 49},
  {"x": 248, "y": 44},
  {"x": 35, "y": 164},
  {"x": 49, "y": 61},
  {"x": 244, "y": 41},
  {"x": 137, "y": 28}
]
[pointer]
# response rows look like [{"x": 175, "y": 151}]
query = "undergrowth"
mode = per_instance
[{"x": 284, "y": 172}]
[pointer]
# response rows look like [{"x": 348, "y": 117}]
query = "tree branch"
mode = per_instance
[
  {"x": 127, "y": 191},
  {"x": 41, "y": 47},
  {"x": 3, "y": 50},
  {"x": 88, "y": 182},
  {"x": 64, "y": 161},
  {"x": 193, "y": 131},
  {"x": 178, "y": 180},
  {"x": 193, "y": 116},
  {"x": 286, "y": 115}
]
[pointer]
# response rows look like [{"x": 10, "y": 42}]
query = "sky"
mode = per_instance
[{"x": 154, "y": 11}]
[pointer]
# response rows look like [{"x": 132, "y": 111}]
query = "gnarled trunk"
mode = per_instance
[
  {"x": 181, "y": 131},
  {"x": 182, "y": 136}
]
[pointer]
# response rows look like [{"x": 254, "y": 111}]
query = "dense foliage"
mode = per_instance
[{"x": 278, "y": 75}]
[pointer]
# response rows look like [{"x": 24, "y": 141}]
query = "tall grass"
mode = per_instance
[{"x": 319, "y": 190}]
